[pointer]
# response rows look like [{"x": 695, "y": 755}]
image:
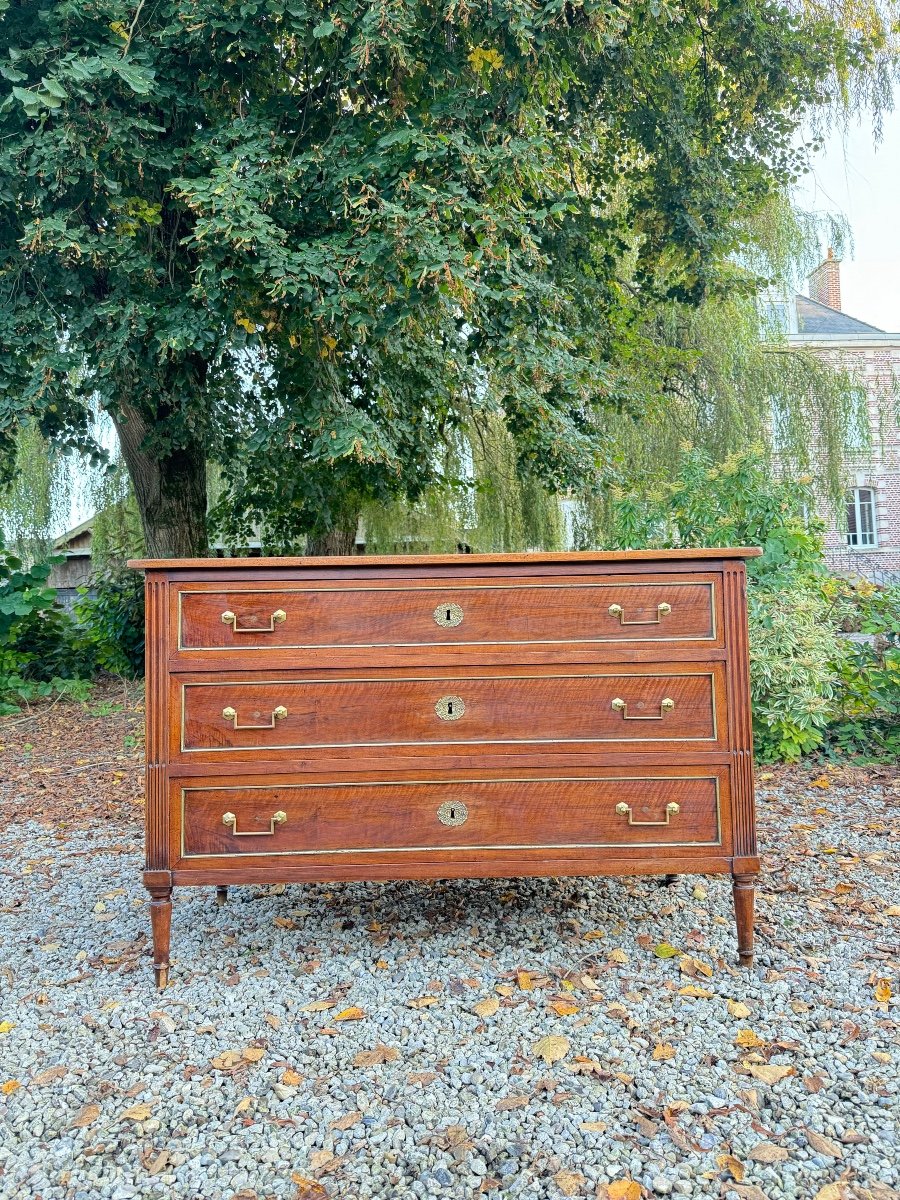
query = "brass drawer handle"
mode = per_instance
[
  {"x": 230, "y": 714},
  {"x": 453, "y": 812},
  {"x": 448, "y": 615},
  {"x": 665, "y": 706},
  {"x": 672, "y": 809},
  {"x": 450, "y": 708},
  {"x": 278, "y": 818},
  {"x": 278, "y": 615},
  {"x": 662, "y": 610}
]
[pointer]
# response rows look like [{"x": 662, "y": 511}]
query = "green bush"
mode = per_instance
[
  {"x": 797, "y": 658},
  {"x": 110, "y": 623},
  {"x": 26, "y": 604}
]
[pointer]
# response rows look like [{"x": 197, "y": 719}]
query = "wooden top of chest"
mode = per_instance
[{"x": 363, "y": 561}]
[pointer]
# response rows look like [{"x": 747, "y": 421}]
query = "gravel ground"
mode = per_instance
[{"x": 775, "y": 1082}]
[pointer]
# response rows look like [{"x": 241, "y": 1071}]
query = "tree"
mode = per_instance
[{"x": 310, "y": 241}]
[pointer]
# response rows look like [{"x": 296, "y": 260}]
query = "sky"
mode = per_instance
[{"x": 860, "y": 178}]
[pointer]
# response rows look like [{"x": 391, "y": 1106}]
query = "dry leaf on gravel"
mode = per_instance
[
  {"x": 883, "y": 991},
  {"x": 322, "y": 1160},
  {"x": 85, "y": 1116},
  {"x": 624, "y": 1189},
  {"x": 252, "y": 1053},
  {"x": 347, "y": 1121},
  {"x": 768, "y": 1152},
  {"x": 374, "y": 1057},
  {"x": 308, "y": 1189},
  {"x": 823, "y": 1145},
  {"x": 49, "y": 1076},
  {"x": 551, "y": 1048},
  {"x": 593, "y": 1126},
  {"x": 6, "y": 1026},
  {"x": 749, "y": 1191},
  {"x": 732, "y": 1165},
  {"x": 768, "y": 1073},
  {"x": 695, "y": 993},
  {"x": 290, "y": 1077},
  {"x": 747, "y": 1039},
  {"x": 318, "y": 1006},
  {"x": 563, "y": 1008},
  {"x": 354, "y": 1013},
  {"x": 416, "y": 1002},
  {"x": 618, "y": 956},
  {"x": 570, "y": 1183},
  {"x": 158, "y": 1163},
  {"x": 663, "y": 1051},
  {"x": 524, "y": 980},
  {"x": 137, "y": 1112},
  {"x": 486, "y": 1007},
  {"x": 509, "y": 1102},
  {"x": 665, "y": 950},
  {"x": 738, "y": 1009}
]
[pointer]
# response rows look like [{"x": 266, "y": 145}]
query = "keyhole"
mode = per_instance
[
  {"x": 449, "y": 708},
  {"x": 448, "y": 617}
]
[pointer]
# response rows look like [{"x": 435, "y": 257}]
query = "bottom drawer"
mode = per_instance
[{"x": 447, "y": 815}]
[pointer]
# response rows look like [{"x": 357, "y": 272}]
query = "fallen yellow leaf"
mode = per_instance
[
  {"x": 769, "y": 1073},
  {"x": 290, "y": 1077},
  {"x": 6, "y": 1026},
  {"x": 748, "y": 1039},
  {"x": 486, "y": 1007},
  {"x": 563, "y": 1008},
  {"x": 822, "y": 782},
  {"x": 226, "y": 1060},
  {"x": 592, "y": 935},
  {"x": 738, "y": 1009},
  {"x": 824, "y": 1145},
  {"x": 551, "y": 1048},
  {"x": 252, "y": 1053},
  {"x": 618, "y": 956},
  {"x": 593, "y": 1126},
  {"x": 569, "y": 1183},
  {"x": 883, "y": 991},
  {"x": 732, "y": 1165},
  {"x": 11, "y": 1085},
  {"x": 524, "y": 980},
  {"x": 318, "y": 1006},
  {"x": 696, "y": 993},
  {"x": 663, "y": 1051},
  {"x": 244, "y": 1105},
  {"x": 665, "y": 950},
  {"x": 373, "y": 1058},
  {"x": 419, "y": 1002},
  {"x": 272, "y": 1021},
  {"x": 694, "y": 966},
  {"x": 624, "y": 1189},
  {"x": 353, "y": 1013}
]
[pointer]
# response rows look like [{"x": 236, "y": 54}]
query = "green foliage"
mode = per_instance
[
  {"x": 311, "y": 241},
  {"x": 866, "y": 720},
  {"x": 110, "y": 623},
  {"x": 25, "y": 603}
]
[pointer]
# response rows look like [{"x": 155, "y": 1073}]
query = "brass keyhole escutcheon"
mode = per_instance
[
  {"x": 453, "y": 812},
  {"x": 450, "y": 708},
  {"x": 448, "y": 615}
]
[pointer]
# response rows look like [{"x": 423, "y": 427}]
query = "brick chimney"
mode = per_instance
[{"x": 825, "y": 282}]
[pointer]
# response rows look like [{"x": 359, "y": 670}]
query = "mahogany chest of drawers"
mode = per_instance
[{"x": 443, "y": 716}]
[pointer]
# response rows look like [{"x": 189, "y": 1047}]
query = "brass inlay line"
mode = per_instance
[{"x": 714, "y": 779}]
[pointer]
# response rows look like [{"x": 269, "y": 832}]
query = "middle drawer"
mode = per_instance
[{"x": 249, "y": 717}]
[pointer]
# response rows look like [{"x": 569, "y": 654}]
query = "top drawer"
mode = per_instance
[{"x": 294, "y": 620}]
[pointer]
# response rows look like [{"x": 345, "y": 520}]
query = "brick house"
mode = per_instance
[{"x": 869, "y": 544}]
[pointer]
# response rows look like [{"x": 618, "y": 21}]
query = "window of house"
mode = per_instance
[{"x": 861, "y": 518}]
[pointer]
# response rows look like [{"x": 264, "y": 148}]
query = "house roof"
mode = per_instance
[
  {"x": 818, "y": 320},
  {"x": 71, "y": 535}
]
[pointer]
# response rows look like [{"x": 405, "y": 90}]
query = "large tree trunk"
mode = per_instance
[
  {"x": 170, "y": 491},
  {"x": 340, "y": 540}
]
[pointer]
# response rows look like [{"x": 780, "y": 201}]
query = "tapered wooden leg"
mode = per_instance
[
  {"x": 743, "y": 889},
  {"x": 161, "y": 920},
  {"x": 221, "y": 894}
]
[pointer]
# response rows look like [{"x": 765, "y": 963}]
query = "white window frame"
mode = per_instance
[{"x": 862, "y": 530}]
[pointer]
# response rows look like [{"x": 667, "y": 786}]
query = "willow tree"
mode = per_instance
[{"x": 310, "y": 240}]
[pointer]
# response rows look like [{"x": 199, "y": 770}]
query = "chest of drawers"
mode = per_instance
[{"x": 443, "y": 716}]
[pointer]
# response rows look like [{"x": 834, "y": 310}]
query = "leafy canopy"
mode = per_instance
[{"x": 315, "y": 239}]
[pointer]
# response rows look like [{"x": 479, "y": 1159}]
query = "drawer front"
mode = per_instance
[
  {"x": 573, "y": 814},
  {"x": 274, "y": 719},
  {"x": 356, "y": 616}
]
